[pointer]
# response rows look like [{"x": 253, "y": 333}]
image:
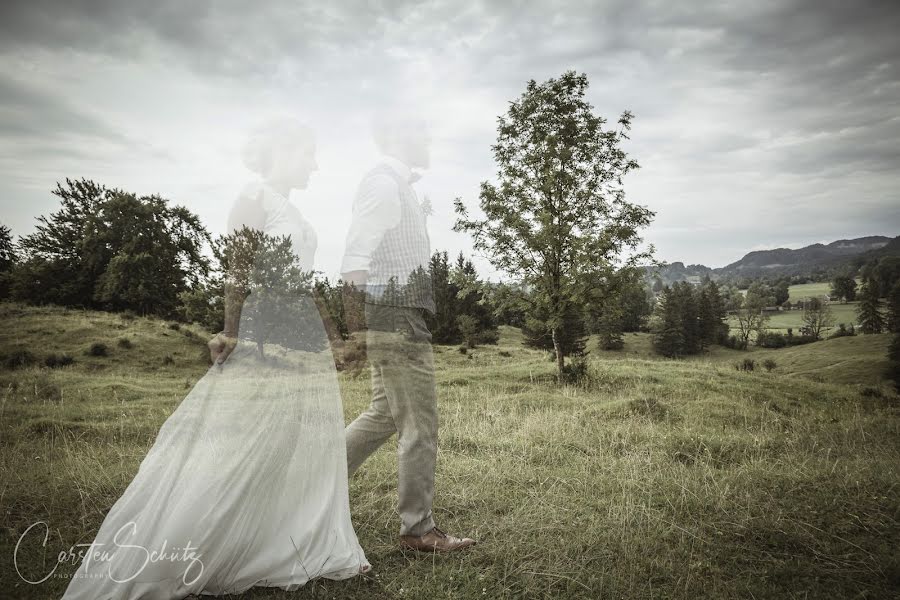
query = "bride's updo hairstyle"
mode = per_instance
[{"x": 270, "y": 137}]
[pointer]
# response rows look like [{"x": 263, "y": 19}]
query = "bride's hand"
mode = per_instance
[{"x": 220, "y": 347}]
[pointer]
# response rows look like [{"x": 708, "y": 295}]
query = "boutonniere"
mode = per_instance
[{"x": 426, "y": 206}]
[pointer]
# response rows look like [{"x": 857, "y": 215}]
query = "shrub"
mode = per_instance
[
  {"x": 174, "y": 326},
  {"x": 462, "y": 349},
  {"x": 54, "y": 361},
  {"x": 489, "y": 336},
  {"x": 504, "y": 353},
  {"x": 769, "y": 364},
  {"x": 125, "y": 343},
  {"x": 771, "y": 339},
  {"x": 98, "y": 349},
  {"x": 168, "y": 360},
  {"x": 735, "y": 343},
  {"x": 20, "y": 357},
  {"x": 871, "y": 392},
  {"x": 748, "y": 364},
  {"x": 843, "y": 331},
  {"x": 575, "y": 371}
]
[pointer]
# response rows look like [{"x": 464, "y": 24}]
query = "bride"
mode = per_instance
[{"x": 246, "y": 483}]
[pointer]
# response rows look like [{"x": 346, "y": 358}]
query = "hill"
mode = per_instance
[
  {"x": 812, "y": 260},
  {"x": 651, "y": 478}
]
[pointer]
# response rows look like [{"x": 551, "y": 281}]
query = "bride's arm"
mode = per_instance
[{"x": 246, "y": 211}]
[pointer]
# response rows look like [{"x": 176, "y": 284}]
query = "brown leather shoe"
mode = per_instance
[{"x": 435, "y": 541}]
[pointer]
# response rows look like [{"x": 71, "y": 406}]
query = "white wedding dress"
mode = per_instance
[{"x": 246, "y": 483}]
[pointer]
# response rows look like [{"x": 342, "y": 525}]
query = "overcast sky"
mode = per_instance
[{"x": 757, "y": 124}]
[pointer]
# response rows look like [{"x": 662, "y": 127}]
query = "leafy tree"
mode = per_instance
[
  {"x": 750, "y": 317},
  {"x": 868, "y": 312},
  {"x": 509, "y": 303},
  {"x": 151, "y": 252},
  {"x": 817, "y": 317},
  {"x": 781, "y": 291},
  {"x": 56, "y": 267},
  {"x": 886, "y": 273},
  {"x": 272, "y": 293},
  {"x": 557, "y": 218},
  {"x": 110, "y": 249},
  {"x": 844, "y": 287}
]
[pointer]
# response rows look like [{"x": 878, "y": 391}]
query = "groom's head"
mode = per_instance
[{"x": 401, "y": 131}]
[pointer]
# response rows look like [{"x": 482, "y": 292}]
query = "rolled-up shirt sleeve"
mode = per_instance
[{"x": 376, "y": 209}]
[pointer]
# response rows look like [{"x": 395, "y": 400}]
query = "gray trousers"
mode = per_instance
[{"x": 398, "y": 345}]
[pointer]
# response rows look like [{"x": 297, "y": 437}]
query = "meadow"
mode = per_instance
[{"x": 652, "y": 478}]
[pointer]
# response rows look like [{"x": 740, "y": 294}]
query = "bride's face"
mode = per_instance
[{"x": 294, "y": 163}]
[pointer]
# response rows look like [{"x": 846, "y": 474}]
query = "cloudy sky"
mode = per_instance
[{"x": 757, "y": 124}]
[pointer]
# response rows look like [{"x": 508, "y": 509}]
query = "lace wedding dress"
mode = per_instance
[{"x": 246, "y": 483}]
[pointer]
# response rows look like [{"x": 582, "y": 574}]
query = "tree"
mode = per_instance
[
  {"x": 668, "y": 335},
  {"x": 781, "y": 291},
  {"x": 557, "y": 219},
  {"x": 893, "y": 369},
  {"x": 893, "y": 302},
  {"x": 8, "y": 259},
  {"x": 508, "y": 302},
  {"x": 264, "y": 278},
  {"x": 750, "y": 316},
  {"x": 110, "y": 249},
  {"x": 56, "y": 268},
  {"x": 711, "y": 314},
  {"x": 868, "y": 312},
  {"x": 817, "y": 317},
  {"x": 844, "y": 287}
]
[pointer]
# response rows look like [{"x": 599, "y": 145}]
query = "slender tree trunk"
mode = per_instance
[{"x": 559, "y": 356}]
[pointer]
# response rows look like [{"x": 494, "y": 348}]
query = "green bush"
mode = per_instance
[
  {"x": 98, "y": 349},
  {"x": 54, "y": 361},
  {"x": 748, "y": 364},
  {"x": 735, "y": 343},
  {"x": 769, "y": 364},
  {"x": 20, "y": 357},
  {"x": 771, "y": 339},
  {"x": 125, "y": 343},
  {"x": 576, "y": 371}
]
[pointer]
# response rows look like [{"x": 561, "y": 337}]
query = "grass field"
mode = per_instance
[{"x": 652, "y": 479}]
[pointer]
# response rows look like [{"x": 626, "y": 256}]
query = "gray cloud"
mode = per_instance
[{"x": 780, "y": 104}]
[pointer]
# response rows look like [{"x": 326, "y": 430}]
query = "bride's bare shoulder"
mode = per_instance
[{"x": 248, "y": 209}]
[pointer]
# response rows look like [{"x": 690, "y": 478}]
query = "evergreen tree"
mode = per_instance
[
  {"x": 609, "y": 327},
  {"x": 868, "y": 312},
  {"x": 668, "y": 334},
  {"x": 8, "y": 259},
  {"x": 893, "y": 302},
  {"x": 711, "y": 314}
]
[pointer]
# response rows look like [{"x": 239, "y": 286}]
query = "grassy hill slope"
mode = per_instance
[{"x": 653, "y": 478}]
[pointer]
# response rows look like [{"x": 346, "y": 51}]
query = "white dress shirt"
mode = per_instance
[{"x": 376, "y": 209}]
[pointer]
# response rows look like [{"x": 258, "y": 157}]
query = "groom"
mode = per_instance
[{"x": 387, "y": 256}]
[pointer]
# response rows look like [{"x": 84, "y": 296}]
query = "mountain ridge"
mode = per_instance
[{"x": 811, "y": 260}]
